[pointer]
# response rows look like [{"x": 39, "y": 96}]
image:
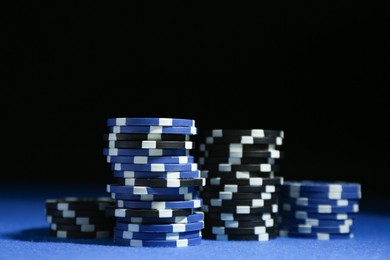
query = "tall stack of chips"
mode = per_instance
[
  {"x": 318, "y": 210},
  {"x": 156, "y": 194},
  {"x": 75, "y": 217},
  {"x": 241, "y": 192}
]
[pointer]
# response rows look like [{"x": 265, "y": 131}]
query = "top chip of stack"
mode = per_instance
[
  {"x": 156, "y": 194},
  {"x": 318, "y": 210},
  {"x": 241, "y": 191},
  {"x": 76, "y": 217}
]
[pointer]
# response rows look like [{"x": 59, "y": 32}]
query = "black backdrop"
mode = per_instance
[{"x": 316, "y": 72}]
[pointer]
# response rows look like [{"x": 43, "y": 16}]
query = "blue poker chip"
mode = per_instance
[
  {"x": 354, "y": 208},
  {"x": 156, "y": 236},
  {"x": 317, "y": 236},
  {"x": 150, "y": 213},
  {"x": 317, "y": 186},
  {"x": 184, "y": 130},
  {"x": 302, "y": 201},
  {"x": 322, "y": 195},
  {"x": 309, "y": 229},
  {"x": 148, "y": 144},
  {"x": 150, "y": 159},
  {"x": 195, "y": 217},
  {"x": 145, "y": 121},
  {"x": 157, "y": 175},
  {"x": 306, "y": 215},
  {"x": 145, "y": 152},
  {"x": 185, "y": 204},
  {"x": 168, "y": 183},
  {"x": 151, "y": 197},
  {"x": 195, "y": 226},
  {"x": 158, "y": 243},
  {"x": 155, "y": 137},
  {"x": 314, "y": 221},
  {"x": 142, "y": 190},
  {"x": 155, "y": 167}
]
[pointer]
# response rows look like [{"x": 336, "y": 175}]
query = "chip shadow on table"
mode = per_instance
[{"x": 42, "y": 235}]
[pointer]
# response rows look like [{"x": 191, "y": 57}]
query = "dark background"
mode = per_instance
[{"x": 316, "y": 71}]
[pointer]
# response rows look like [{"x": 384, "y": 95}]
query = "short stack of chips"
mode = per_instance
[
  {"x": 73, "y": 217},
  {"x": 318, "y": 210},
  {"x": 240, "y": 198},
  {"x": 157, "y": 182}
]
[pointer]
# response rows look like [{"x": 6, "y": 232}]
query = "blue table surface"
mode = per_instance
[{"x": 24, "y": 234}]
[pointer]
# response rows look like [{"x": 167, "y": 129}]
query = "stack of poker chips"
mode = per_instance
[
  {"x": 318, "y": 210},
  {"x": 156, "y": 194},
  {"x": 240, "y": 198},
  {"x": 73, "y": 217}
]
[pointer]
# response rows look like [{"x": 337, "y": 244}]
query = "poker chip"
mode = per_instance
[
  {"x": 152, "y": 213},
  {"x": 79, "y": 217},
  {"x": 158, "y": 243},
  {"x": 197, "y": 216},
  {"x": 255, "y": 181},
  {"x": 155, "y": 167},
  {"x": 273, "y": 153},
  {"x": 315, "y": 202},
  {"x": 238, "y": 217},
  {"x": 157, "y": 175},
  {"x": 318, "y": 236},
  {"x": 151, "y": 144},
  {"x": 240, "y": 224},
  {"x": 306, "y": 215},
  {"x": 144, "y": 152},
  {"x": 322, "y": 195},
  {"x": 150, "y": 160},
  {"x": 160, "y": 227},
  {"x": 250, "y": 202},
  {"x": 154, "y": 130},
  {"x": 273, "y": 208},
  {"x": 240, "y": 196},
  {"x": 224, "y": 237},
  {"x": 240, "y": 189},
  {"x": 318, "y": 210},
  {"x": 146, "y": 190},
  {"x": 168, "y": 183},
  {"x": 81, "y": 228},
  {"x": 74, "y": 203},
  {"x": 260, "y": 133},
  {"x": 326, "y": 187},
  {"x": 228, "y": 167},
  {"x": 186, "y": 204},
  {"x": 354, "y": 208},
  {"x": 122, "y": 121},
  {"x": 244, "y": 140},
  {"x": 309, "y": 229},
  {"x": 151, "y": 197},
  {"x": 80, "y": 220},
  {"x": 314, "y": 221},
  {"x": 256, "y": 230},
  {"x": 75, "y": 213},
  {"x": 227, "y": 195},
  {"x": 149, "y": 137},
  {"x": 235, "y": 160},
  {"x": 156, "y": 235},
  {"x": 236, "y": 174},
  {"x": 77, "y": 234},
  {"x": 156, "y": 193},
  {"x": 232, "y": 147}
]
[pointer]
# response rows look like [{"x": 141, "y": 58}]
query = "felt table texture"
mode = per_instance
[{"x": 24, "y": 234}]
